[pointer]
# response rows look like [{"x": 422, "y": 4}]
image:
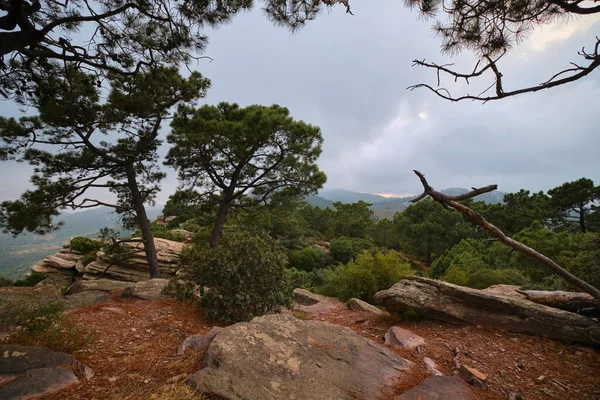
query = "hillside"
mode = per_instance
[{"x": 19, "y": 253}]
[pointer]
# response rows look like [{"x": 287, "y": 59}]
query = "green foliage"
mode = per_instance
[
  {"x": 245, "y": 275},
  {"x": 584, "y": 260},
  {"x": 163, "y": 232},
  {"x": 411, "y": 315},
  {"x": 456, "y": 275},
  {"x": 572, "y": 201},
  {"x": 304, "y": 280},
  {"x": 31, "y": 280},
  {"x": 85, "y": 245},
  {"x": 365, "y": 276},
  {"x": 309, "y": 259},
  {"x": 33, "y": 318},
  {"x": 486, "y": 277},
  {"x": 352, "y": 220},
  {"x": 343, "y": 249}
]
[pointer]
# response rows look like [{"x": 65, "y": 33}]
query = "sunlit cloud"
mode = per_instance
[{"x": 546, "y": 35}]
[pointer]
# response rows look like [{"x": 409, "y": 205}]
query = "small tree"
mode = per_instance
[
  {"x": 240, "y": 157},
  {"x": 354, "y": 219},
  {"x": 573, "y": 200},
  {"x": 66, "y": 145}
]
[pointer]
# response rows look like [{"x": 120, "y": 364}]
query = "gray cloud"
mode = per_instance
[{"x": 348, "y": 75}]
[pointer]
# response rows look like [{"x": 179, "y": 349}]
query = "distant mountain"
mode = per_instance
[
  {"x": 386, "y": 207},
  {"x": 19, "y": 253}
]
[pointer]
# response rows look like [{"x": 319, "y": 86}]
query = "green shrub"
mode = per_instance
[
  {"x": 5, "y": 281},
  {"x": 245, "y": 275},
  {"x": 343, "y": 249},
  {"x": 456, "y": 275},
  {"x": 32, "y": 318},
  {"x": 487, "y": 277},
  {"x": 365, "y": 276},
  {"x": 31, "y": 280},
  {"x": 309, "y": 259},
  {"x": 85, "y": 245}
]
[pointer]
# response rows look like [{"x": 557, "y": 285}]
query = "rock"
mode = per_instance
[
  {"x": 452, "y": 303},
  {"x": 359, "y": 305},
  {"x": 135, "y": 268},
  {"x": 199, "y": 342},
  {"x": 39, "y": 382},
  {"x": 540, "y": 379},
  {"x": 431, "y": 366},
  {"x": 439, "y": 388},
  {"x": 55, "y": 261},
  {"x": 60, "y": 267},
  {"x": 307, "y": 301},
  {"x": 87, "y": 298},
  {"x": 282, "y": 357},
  {"x": 473, "y": 376},
  {"x": 177, "y": 378},
  {"x": 16, "y": 359},
  {"x": 396, "y": 336},
  {"x": 105, "y": 285},
  {"x": 147, "y": 290},
  {"x": 504, "y": 290}
]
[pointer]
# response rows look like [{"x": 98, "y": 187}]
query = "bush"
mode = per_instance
[
  {"x": 365, "y": 276},
  {"x": 456, "y": 275},
  {"x": 85, "y": 245},
  {"x": 487, "y": 277},
  {"x": 245, "y": 275},
  {"x": 309, "y": 259},
  {"x": 31, "y": 280},
  {"x": 344, "y": 249}
]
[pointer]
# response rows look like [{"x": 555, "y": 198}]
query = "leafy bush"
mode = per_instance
[
  {"x": 245, "y": 275},
  {"x": 487, "y": 277},
  {"x": 343, "y": 249},
  {"x": 31, "y": 280},
  {"x": 85, "y": 245},
  {"x": 456, "y": 275},
  {"x": 365, "y": 276},
  {"x": 309, "y": 259},
  {"x": 159, "y": 231}
]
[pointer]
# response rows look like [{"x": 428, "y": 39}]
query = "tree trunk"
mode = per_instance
[
  {"x": 581, "y": 303},
  {"x": 452, "y": 303},
  {"x": 140, "y": 210},
  {"x": 219, "y": 222},
  {"x": 582, "y": 219}
]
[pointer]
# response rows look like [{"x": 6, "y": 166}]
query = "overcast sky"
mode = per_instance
[{"x": 348, "y": 75}]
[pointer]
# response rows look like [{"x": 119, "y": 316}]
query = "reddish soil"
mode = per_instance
[{"x": 136, "y": 354}]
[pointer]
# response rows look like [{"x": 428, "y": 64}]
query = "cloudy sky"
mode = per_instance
[{"x": 348, "y": 75}]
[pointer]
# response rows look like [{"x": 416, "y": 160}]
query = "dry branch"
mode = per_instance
[{"x": 450, "y": 202}]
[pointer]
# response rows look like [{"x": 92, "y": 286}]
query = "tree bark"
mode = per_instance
[
  {"x": 581, "y": 303},
  {"x": 456, "y": 304},
  {"x": 140, "y": 210},
  {"x": 451, "y": 203},
  {"x": 220, "y": 222},
  {"x": 582, "y": 219}
]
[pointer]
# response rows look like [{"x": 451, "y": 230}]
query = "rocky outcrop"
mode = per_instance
[
  {"x": 35, "y": 371},
  {"x": 59, "y": 267},
  {"x": 147, "y": 290},
  {"x": 452, "y": 303},
  {"x": 135, "y": 268},
  {"x": 101, "y": 284},
  {"x": 281, "y": 357},
  {"x": 198, "y": 343}
]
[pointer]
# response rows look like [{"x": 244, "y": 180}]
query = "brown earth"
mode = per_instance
[{"x": 136, "y": 354}]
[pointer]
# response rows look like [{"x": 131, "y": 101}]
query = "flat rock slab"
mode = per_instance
[
  {"x": 38, "y": 382},
  {"x": 105, "y": 285},
  {"x": 86, "y": 298},
  {"x": 309, "y": 302},
  {"x": 360, "y": 305},
  {"x": 281, "y": 357},
  {"x": 439, "y": 388},
  {"x": 396, "y": 336},
  {"x": 16, "y": 359}
]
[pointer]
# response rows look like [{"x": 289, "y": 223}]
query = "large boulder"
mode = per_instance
[
  {"x": 282, "y": 357},
  {"x": 102, "y": 284},
  {"x": 439, "y": 388},
  {"x": 306, "y": 301},
  {"x": 147, "y": 290},
  {"x": 35, "y": 371},
  {"x": 135, "y": 268},
  {"x": 452, "y": 303}
]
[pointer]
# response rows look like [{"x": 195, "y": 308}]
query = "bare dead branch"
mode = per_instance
[{"x": 449, "y": 202}]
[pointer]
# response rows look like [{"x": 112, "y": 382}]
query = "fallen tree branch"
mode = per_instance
[{"x": 451, "y": 203}]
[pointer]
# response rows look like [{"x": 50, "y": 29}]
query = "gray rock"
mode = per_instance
[
  {"x": 38, "y": 382},
  {"x": 504, "y": 290},
  {"x": 396, "y": 336},
  {"x": 16, "y": 359},
  {"x": 147, "y": 290},
  {"x": 431, "y": 366},
  {"x": 281, "y": 357},
  {"x": 87, "y": 298},
  {"x": 199, "y": 342},
  {"x": 55, "y": 261},
  {"x": 439, "y": 388},
  {"x": 360, "y": 305},
  {"x": 105, "y": 285},
  {"x": 307, "y": 301}
]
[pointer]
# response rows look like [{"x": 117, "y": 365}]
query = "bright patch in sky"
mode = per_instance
[
  {"x": 423, "y": 115},
  {"x": 560, "y": 31}
]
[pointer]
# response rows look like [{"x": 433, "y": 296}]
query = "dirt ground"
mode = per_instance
[{"x": 135, "y": 354}]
